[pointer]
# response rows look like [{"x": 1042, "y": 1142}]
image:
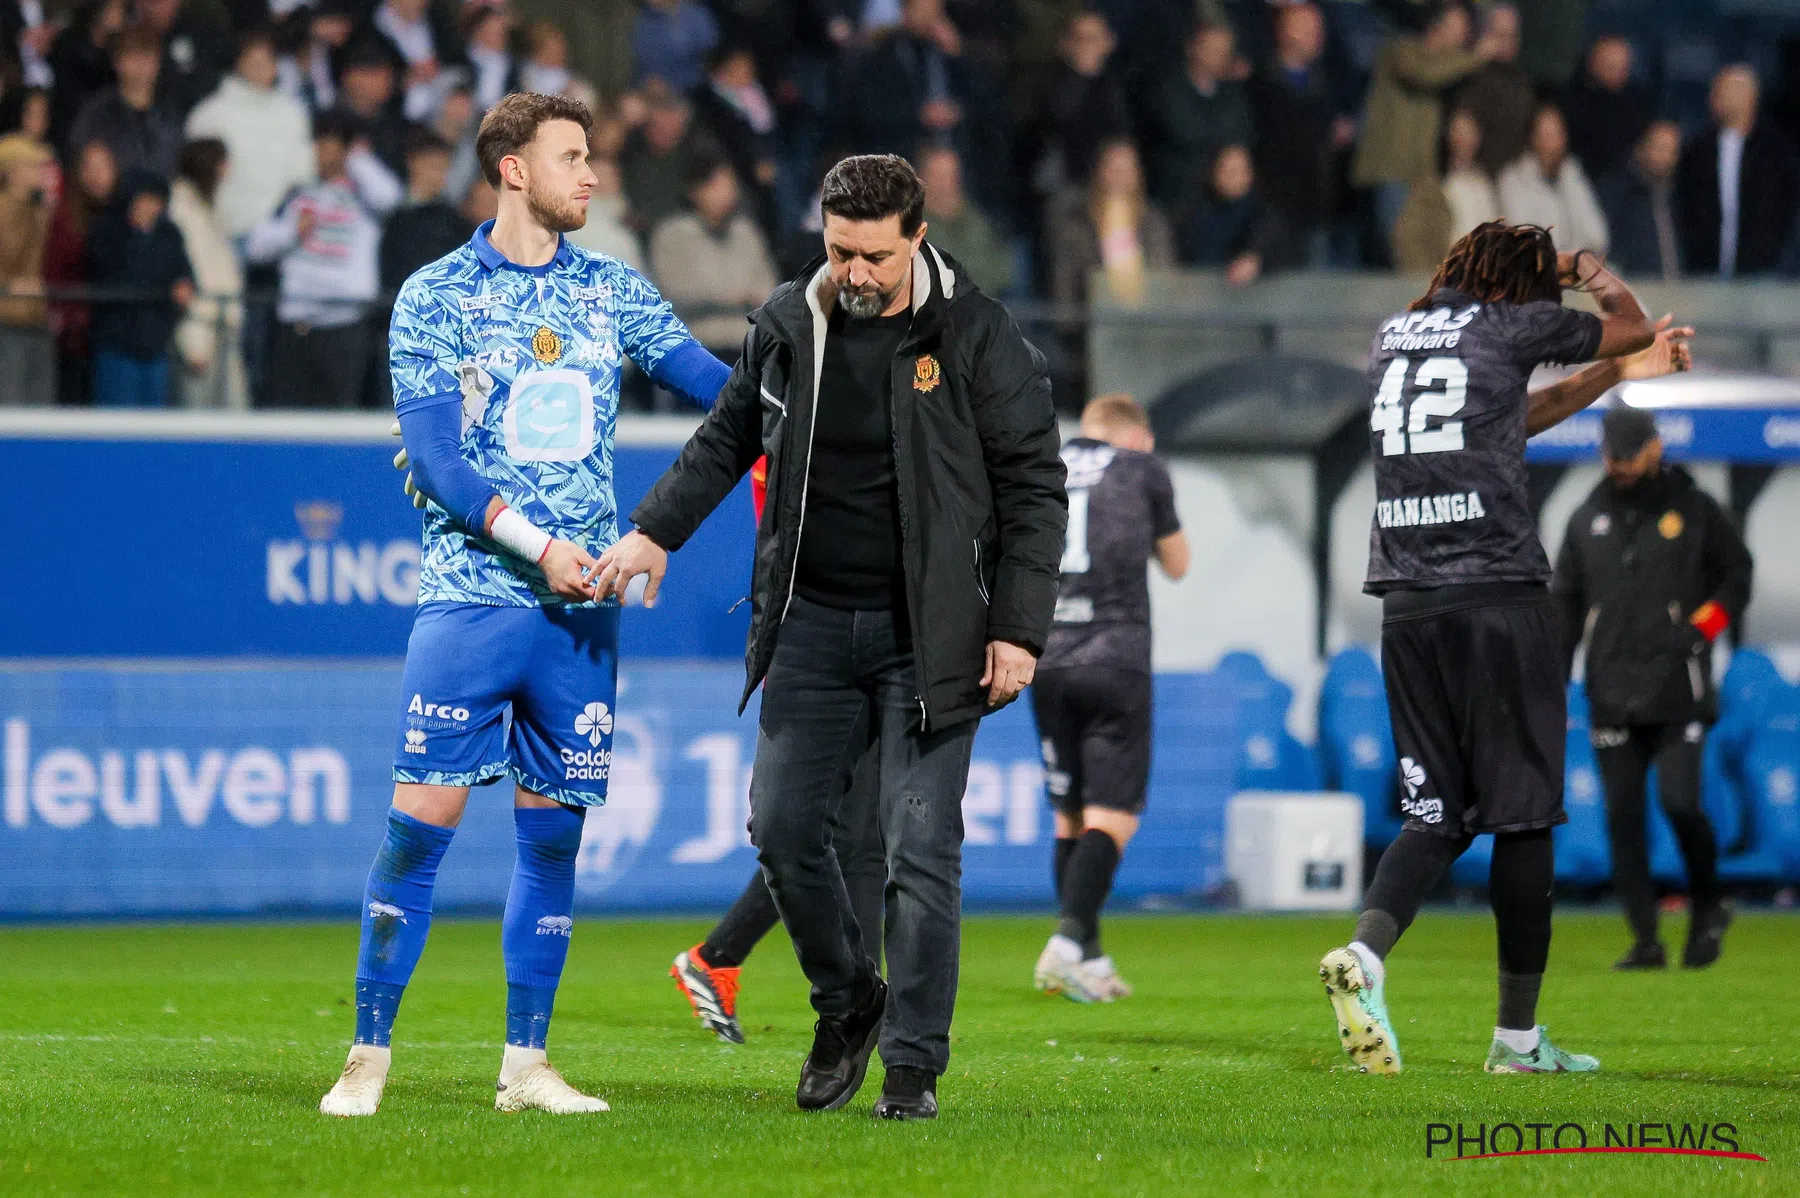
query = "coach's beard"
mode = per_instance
[{"x": 866, "y": 304}]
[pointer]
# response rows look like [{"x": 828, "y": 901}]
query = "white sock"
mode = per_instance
[
  {"x": 1372, "y": 964},
  {"x": 1064, "y": 948},
  {"x": 1519, "y": 1041},
  {"x": 517, "y": 1060},
  {"x": 1100, "y": 966}
]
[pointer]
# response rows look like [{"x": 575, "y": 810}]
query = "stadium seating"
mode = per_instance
[
  {"x": 1356, "y": 740},
  {"x": 1269, "y": 756},
  {"x": 1583, "y": 851}
]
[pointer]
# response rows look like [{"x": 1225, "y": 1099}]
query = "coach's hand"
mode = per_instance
[
  {"x": 565, "y": 565},
  {"x": 634, "y": 554},
  {"x": 1009, "y": 671}
]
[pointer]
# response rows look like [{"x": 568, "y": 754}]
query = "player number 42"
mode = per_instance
[{"x": 1439, "y": 388}]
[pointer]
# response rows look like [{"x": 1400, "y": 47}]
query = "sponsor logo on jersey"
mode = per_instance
[
  {"x": 478, "y": 303},
  {"x": 1426, "y": 811},
  {"x": 926, "y": 373},
  {"x": 415, "y": 740},
  {"x": 546, "y": 346},
  {"x": 1608, "y": 738},
  {"x": 1454, "y": 508},
  {"x": 601, "y": 294},
  {"x": 595, "y": 722},
  {"x": 1694, "y": 732},
  {"x": 1412, "y": 776},
  {"x": 1438, "y": 328},
  {"x": 1671, "y": 524},
  {"x": 1601, "y": 526},
  {"x": 555, "y": 925},
  {"x": 437, "y": 711},
  {"x": 1074, "y": 609},
  {"x": 380, "y": 910}
]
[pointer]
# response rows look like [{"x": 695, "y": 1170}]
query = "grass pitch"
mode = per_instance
[{"x": 190, "y": 1059}]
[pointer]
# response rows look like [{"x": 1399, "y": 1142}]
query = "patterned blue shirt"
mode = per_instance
[{"x": 533, "y": 355}]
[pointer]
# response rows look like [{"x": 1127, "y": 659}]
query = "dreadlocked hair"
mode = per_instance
[{"x": 1498, "y": 263}]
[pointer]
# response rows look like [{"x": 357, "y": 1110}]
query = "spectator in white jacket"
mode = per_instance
[
  {"x": 210, "y": 358},
  {"x": 327, "y": 237},
  {"x": 1546, "y": 186},
  {"x": 265, "y": 131}
]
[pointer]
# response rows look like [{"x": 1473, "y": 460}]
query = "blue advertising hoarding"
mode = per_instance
[
  {"x": 256, "y": 548},
  {"x": 172, "y": 789},
  {"x": 1699, "y": 434}
]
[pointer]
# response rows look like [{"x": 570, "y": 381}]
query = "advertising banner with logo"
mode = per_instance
[
  {"x": 262, "y": 548},
  {"x": 169, "y": 789},
  {"x": 1700, "y": 434}
]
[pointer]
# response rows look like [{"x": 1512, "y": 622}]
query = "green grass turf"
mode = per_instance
[{"x": 190, "y": 1059}]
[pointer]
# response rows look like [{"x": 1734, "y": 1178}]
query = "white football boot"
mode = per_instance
[
  {"x": 358, "y": 1090},
  {"x": 529, "y": 1083},
  {"x": 1106, "y": 978},
  {"x": 1059, "y": 971}
]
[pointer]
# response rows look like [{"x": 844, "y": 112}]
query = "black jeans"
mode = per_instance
[
  {"x": 1625, "y": 756},
  {"x": 837, "y": 680}
]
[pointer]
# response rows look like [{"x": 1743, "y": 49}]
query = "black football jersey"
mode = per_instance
[
  {"x": 1447, "y": 433},
  {"x": 1121, "y": 503}
]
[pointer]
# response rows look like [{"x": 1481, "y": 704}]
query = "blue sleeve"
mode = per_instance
[
  {"x": 692, "y": 371},
  {"x": 433, "y": 436}
]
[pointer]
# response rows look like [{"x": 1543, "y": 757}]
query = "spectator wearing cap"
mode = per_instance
[
  {"x": 711, "y": 260},
  {"x": 1641, "y": 207},
  {"x": 196, "y": 49},
  {"x": 327, "y": 239},
  {"x": 658, "y": 156},
  {"x": 1500, "y": 93},
  {"x": 1546, "y": 186},
  {"x": 133, "y": 244},
  {"x": 27, "y": 349},
  {"x": 493, "y": 71},
  {"x": 670, "y": 42},
  {"x": 732, "y": 109},
  {"x": 957, "y": 225},
  {"x": 424, "y": 41},
  {"x": 1405, "y": 108},
  {"x": 1607, "y": 111},
  {"x": 1197, "y": 110},
  {"x": 267, "y": 135},
  {"x": 1301, "y": 129},
  {"x": 210, "y": 362},
  {"x": 1740, "y": 185},
  {"x": 366, "y": 90},
  {"x": 142, "y": 134}
]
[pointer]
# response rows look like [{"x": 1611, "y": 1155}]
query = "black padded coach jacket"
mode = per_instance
[{"x": 976, "y": 458}]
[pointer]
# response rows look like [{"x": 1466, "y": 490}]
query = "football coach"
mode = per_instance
[
  {"x": 1652, "y": 571},
  {"x": 906, "y": 572}
]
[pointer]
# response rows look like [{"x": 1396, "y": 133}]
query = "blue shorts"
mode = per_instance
[{"x": 558, "y": 668}]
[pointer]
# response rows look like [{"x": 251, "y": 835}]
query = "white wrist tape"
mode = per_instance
[{"x": 520, "y": 535}]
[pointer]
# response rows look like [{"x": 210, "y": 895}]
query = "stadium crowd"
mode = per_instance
[{"x": 165, "y": 164}]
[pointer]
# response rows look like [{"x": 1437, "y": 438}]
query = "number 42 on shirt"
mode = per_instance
[{"x": 1402, "y": 407}]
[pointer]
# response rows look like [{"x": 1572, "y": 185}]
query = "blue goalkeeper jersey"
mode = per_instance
[{"x": 533, "y": 354}]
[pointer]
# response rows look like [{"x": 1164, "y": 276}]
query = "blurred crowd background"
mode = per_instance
[{"x": 206, "y": 202}]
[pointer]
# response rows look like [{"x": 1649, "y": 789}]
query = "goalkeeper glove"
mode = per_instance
[{"x": 402, "y": 462}]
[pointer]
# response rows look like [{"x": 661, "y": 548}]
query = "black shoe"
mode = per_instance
[
  {"x": 839, "y": 1059},
  {"x": 907, "y": 1093},
  {"x": 1706, "y": 935},
  {"x": 1646, "y": 954}
]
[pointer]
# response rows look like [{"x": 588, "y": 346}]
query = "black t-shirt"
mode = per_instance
[
  {"x": 1120, "y": 504},
  {"x": 850, "y": 543},
  {"x": 1447, "y": 429}
]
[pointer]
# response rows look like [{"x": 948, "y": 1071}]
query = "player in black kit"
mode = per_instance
[
  {"x": 1471, "y": 640},
  {"x": 1091, "y": 696}
]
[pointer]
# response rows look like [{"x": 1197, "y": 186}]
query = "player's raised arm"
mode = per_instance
[
  {"x": 1667, "y": 353},
  {"x": 1625, "y": 327}
]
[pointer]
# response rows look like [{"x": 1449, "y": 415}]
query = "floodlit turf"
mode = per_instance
[{"x": 190, "y": 1059}]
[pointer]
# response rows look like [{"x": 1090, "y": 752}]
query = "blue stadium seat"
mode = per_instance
[
  {"x": 1770, "y": 770},
  {"x": 1583, "y": 851},
  {"x": 1270, "y": 757},
  {"x": 1356, "y": 741}
]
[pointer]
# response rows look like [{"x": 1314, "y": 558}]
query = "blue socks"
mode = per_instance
[
  {"x": 396, "y": 916},
  {"x": 534, "y": 933}
]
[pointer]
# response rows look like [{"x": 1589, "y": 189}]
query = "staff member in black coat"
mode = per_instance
[
  {"x": 905, "y": 578},
  {"x": 1653, "y": 571}
]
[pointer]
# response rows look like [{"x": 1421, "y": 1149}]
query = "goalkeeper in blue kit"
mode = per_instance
[{"x": 505, "y": 356}]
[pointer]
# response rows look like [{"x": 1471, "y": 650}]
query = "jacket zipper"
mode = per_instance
[
  {"x": 981, "y": 576},
  {"x": 806, "y": 469}
]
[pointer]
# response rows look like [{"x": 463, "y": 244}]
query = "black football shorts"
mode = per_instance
[
  {"x": 1094, "y": 728},
  {"x": 1480, "y": 714}
]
